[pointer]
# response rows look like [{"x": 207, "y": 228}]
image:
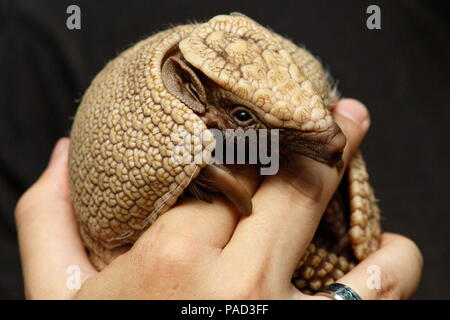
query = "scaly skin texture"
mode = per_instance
[{"x": 128, "y": 128}]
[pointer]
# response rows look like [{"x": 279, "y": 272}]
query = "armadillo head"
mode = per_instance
[
  {"x": 233, "y": 73},
  {"x": 236, "y": 73}
]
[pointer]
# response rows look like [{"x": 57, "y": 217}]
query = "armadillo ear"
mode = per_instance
[{"x": 181, "y": 81}]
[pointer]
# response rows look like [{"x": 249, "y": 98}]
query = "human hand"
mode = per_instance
[{"x": 199, "y": 250}]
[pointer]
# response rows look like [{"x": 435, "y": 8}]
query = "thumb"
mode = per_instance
[{"x": 54, "y": 261}]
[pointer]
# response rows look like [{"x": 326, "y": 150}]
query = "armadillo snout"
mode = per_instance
[{"x": 333, "y": 150}]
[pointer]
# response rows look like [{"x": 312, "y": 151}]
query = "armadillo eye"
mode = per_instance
[{"x": 242, "y": 116}]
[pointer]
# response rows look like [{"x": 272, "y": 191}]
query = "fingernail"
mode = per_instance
[
  {"x": 355, "y": 111},
  {"x": 59, "y": 150}
]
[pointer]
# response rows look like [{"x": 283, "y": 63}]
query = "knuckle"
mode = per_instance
[
  {"x": 30, "y": 199},
  {"x": 247, "y": 290},
  {"x": 24, "y": 204},
  {"x": 174, "y": 250},
  {"x": 390, "y": 288},
  {"x": 254, "y": 286},
  {"x": 414, "y": 249},
  {"x": 165, "y": 250},
  {"x": 408, "y": 246}
]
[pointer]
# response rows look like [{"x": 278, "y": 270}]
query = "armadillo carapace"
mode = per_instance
[{"x": 229, "y": 72}]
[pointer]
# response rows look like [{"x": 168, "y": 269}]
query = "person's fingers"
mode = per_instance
[
  {"x": 210, "y": 224},
  {"x": 51, "y": 250},
  {"x": 392, "y": 272},
  {"x": 288, "y": 206}
]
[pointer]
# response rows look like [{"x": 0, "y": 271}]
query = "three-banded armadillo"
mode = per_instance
[{"x": 229, "y": 72}]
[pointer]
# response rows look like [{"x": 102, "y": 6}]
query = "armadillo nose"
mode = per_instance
[
  {"x": 338, "y": 142},
  {"x": 335, "y": 147}
]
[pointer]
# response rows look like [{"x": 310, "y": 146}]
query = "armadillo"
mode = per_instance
[{"x": 228, "y": 72}]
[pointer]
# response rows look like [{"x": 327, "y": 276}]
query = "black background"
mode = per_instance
[{"x": 400, "y": 72}]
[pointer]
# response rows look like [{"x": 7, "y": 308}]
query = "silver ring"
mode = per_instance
[{"x": 339, "y": 291}]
